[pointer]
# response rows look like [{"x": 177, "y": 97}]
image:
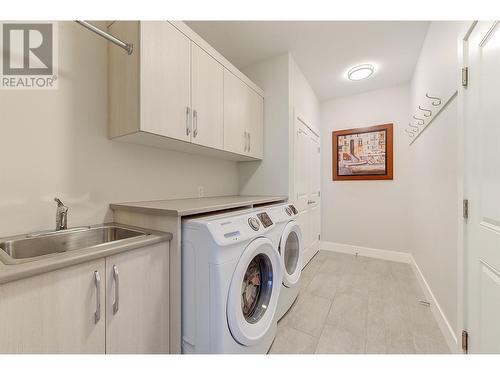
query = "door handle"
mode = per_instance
[
  {"x": 116, "y": 304},
  {"x": 97, "y": 283},
  {"x": 195, "y": 123},
  {"x": 188, "y": 112}
]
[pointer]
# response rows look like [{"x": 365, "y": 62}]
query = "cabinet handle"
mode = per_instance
[
  {"x": 97, "y": 283},
  {"x": 311, "y": 202},
  {"x": 117, "y": 290},
  {"x": 195, "y": 123},
  {"x": 249, "y": 142},
  {"x": 188, "y": 112},
  {"x": 246, "y": 141}
]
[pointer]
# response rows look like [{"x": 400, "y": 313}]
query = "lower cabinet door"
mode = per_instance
[
  {"x": 137, "y": 301},
  {"x": 57, "y": 312}
]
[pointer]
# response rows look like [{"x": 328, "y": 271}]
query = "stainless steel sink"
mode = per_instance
[{"x": 34, "y": 246}]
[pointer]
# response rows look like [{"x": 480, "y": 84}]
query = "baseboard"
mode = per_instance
[
  {"x": 443, "y": 323},
  {"x": 395, "y": 256},
  {"x": 403, "y": 257}
]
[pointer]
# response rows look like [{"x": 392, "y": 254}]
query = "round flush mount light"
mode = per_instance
[{"x": 360, "y": 72}]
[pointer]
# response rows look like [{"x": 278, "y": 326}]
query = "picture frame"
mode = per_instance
[{"x": 363, "y": 153}]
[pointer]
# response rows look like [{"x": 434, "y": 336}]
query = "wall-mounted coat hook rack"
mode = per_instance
[
  {"x": 129, "y": 47},
  {"x": 415, "y": 128},
  {"x": 421, "y": 121},
  {"x": 435, "y": 100},
  {"x": 411, "y": 133},
  {"x": 427, "y": 112}
]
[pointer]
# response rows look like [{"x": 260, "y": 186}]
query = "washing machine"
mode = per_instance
[
  {"x": 287, "y": 237},
  {"x": 231, "y": 282}
]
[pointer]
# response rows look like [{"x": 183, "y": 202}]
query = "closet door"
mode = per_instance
[
  {"x": 307, "y": 187},
  {"x": 314, "y": 165},
  {"x": 165, "y": 93},
  {"x": 236, "y": 114},
  {"x": 207, "y": 99}
]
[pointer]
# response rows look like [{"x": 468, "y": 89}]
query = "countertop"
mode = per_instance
[
  {"x": 194, "y": 206},
  {"x": 12, "y": 272}
]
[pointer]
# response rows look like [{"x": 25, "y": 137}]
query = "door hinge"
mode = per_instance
[
  {"x": 465, "y": 341},
  {"x": 319, "y": 149},
  {"x": 465, "y": 76},
  {"x": 465, "y": 208}
]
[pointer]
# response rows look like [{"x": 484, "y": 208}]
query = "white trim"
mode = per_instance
[
  {"x": 444, "y": 324},
  {"x": 394, "y": 256},
  {"x": 403, "y": 257}
]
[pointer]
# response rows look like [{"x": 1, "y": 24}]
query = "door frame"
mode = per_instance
[{"x": 463, "y": 61}]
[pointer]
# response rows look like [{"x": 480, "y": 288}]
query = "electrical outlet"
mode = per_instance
[{"x": 201, "y": 191}]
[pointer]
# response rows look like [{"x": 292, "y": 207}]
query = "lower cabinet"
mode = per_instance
[
  {"x": 70, "y": 310},
  {"x": 137, "y": 296}
]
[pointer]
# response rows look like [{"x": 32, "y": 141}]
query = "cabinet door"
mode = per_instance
[
  {"x": 207, "y": 77},
  {"x": 256, "y": 124},
  {"x": 137, "y": 301},
  {"x": 235, "y": 114},
  {"x": 54, "y": 312},
  {"x": 165, "y": 92}
]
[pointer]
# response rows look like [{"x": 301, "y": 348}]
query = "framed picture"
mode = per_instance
[{"x": 363, "y": 153}]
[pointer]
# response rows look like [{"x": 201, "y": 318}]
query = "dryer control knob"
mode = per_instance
[{"x": 254, "y": 223}]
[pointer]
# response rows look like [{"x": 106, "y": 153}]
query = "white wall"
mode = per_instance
[
  {"x": 373, "y": 214},
  {"x": 287, "y": 93},
  {"x": 270, "y": 176},
  {"x": 54, "y": 143},
  {"x": 435, "y": 165}
]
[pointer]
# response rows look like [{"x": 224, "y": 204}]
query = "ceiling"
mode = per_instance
[{"x": 324, "y": 50}]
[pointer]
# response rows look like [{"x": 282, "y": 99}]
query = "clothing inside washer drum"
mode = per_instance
[{"x": 256, "y": 288}]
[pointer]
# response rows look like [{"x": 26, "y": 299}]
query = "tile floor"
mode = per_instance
[{"x": 350, "y": 305}]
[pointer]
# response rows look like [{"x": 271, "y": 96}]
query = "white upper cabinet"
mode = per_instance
[
  {"x": 165, "y": 80},
  {"x": 235, "y": 97},
  {"x": 243, "y": 118},
  {"x": 175, "y": 91},
  {"x": 256, "y": 125},
  {"x": 207, "y": 99}
]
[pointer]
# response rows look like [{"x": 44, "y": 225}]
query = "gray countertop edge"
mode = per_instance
[
  {"x": 135, "y": 206},
  {"x": 13, "y": 272}
]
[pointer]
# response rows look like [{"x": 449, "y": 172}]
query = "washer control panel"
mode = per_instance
[
  {"x": 265, "y": 219},
  {"x": 254, "y": 223}
]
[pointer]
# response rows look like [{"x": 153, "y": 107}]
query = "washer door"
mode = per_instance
[
  {"x": 291, "y": 253},
  {"x": 254, "y": 292}
]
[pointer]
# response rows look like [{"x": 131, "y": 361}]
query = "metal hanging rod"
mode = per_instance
[{"x": 129, "y": 47}]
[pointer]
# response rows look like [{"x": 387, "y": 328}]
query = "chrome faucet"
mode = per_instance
[{"x": 61, "y": 215}]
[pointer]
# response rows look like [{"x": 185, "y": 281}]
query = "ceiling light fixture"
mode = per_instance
[{"x": 360, "y": 72}]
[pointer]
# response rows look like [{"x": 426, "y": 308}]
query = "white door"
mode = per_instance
[
  {"x": 314, "y": 193},
  {"x": 59, "y": 312},
  {"x": 307, "y": 187},
  {"x": 165, "y": 80},
  {"x": 482, "y": 188},
  {"x": 235, "y": 114},
  {"x": 207, "y": 77},
  {"x": 137, "y": 301}
]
